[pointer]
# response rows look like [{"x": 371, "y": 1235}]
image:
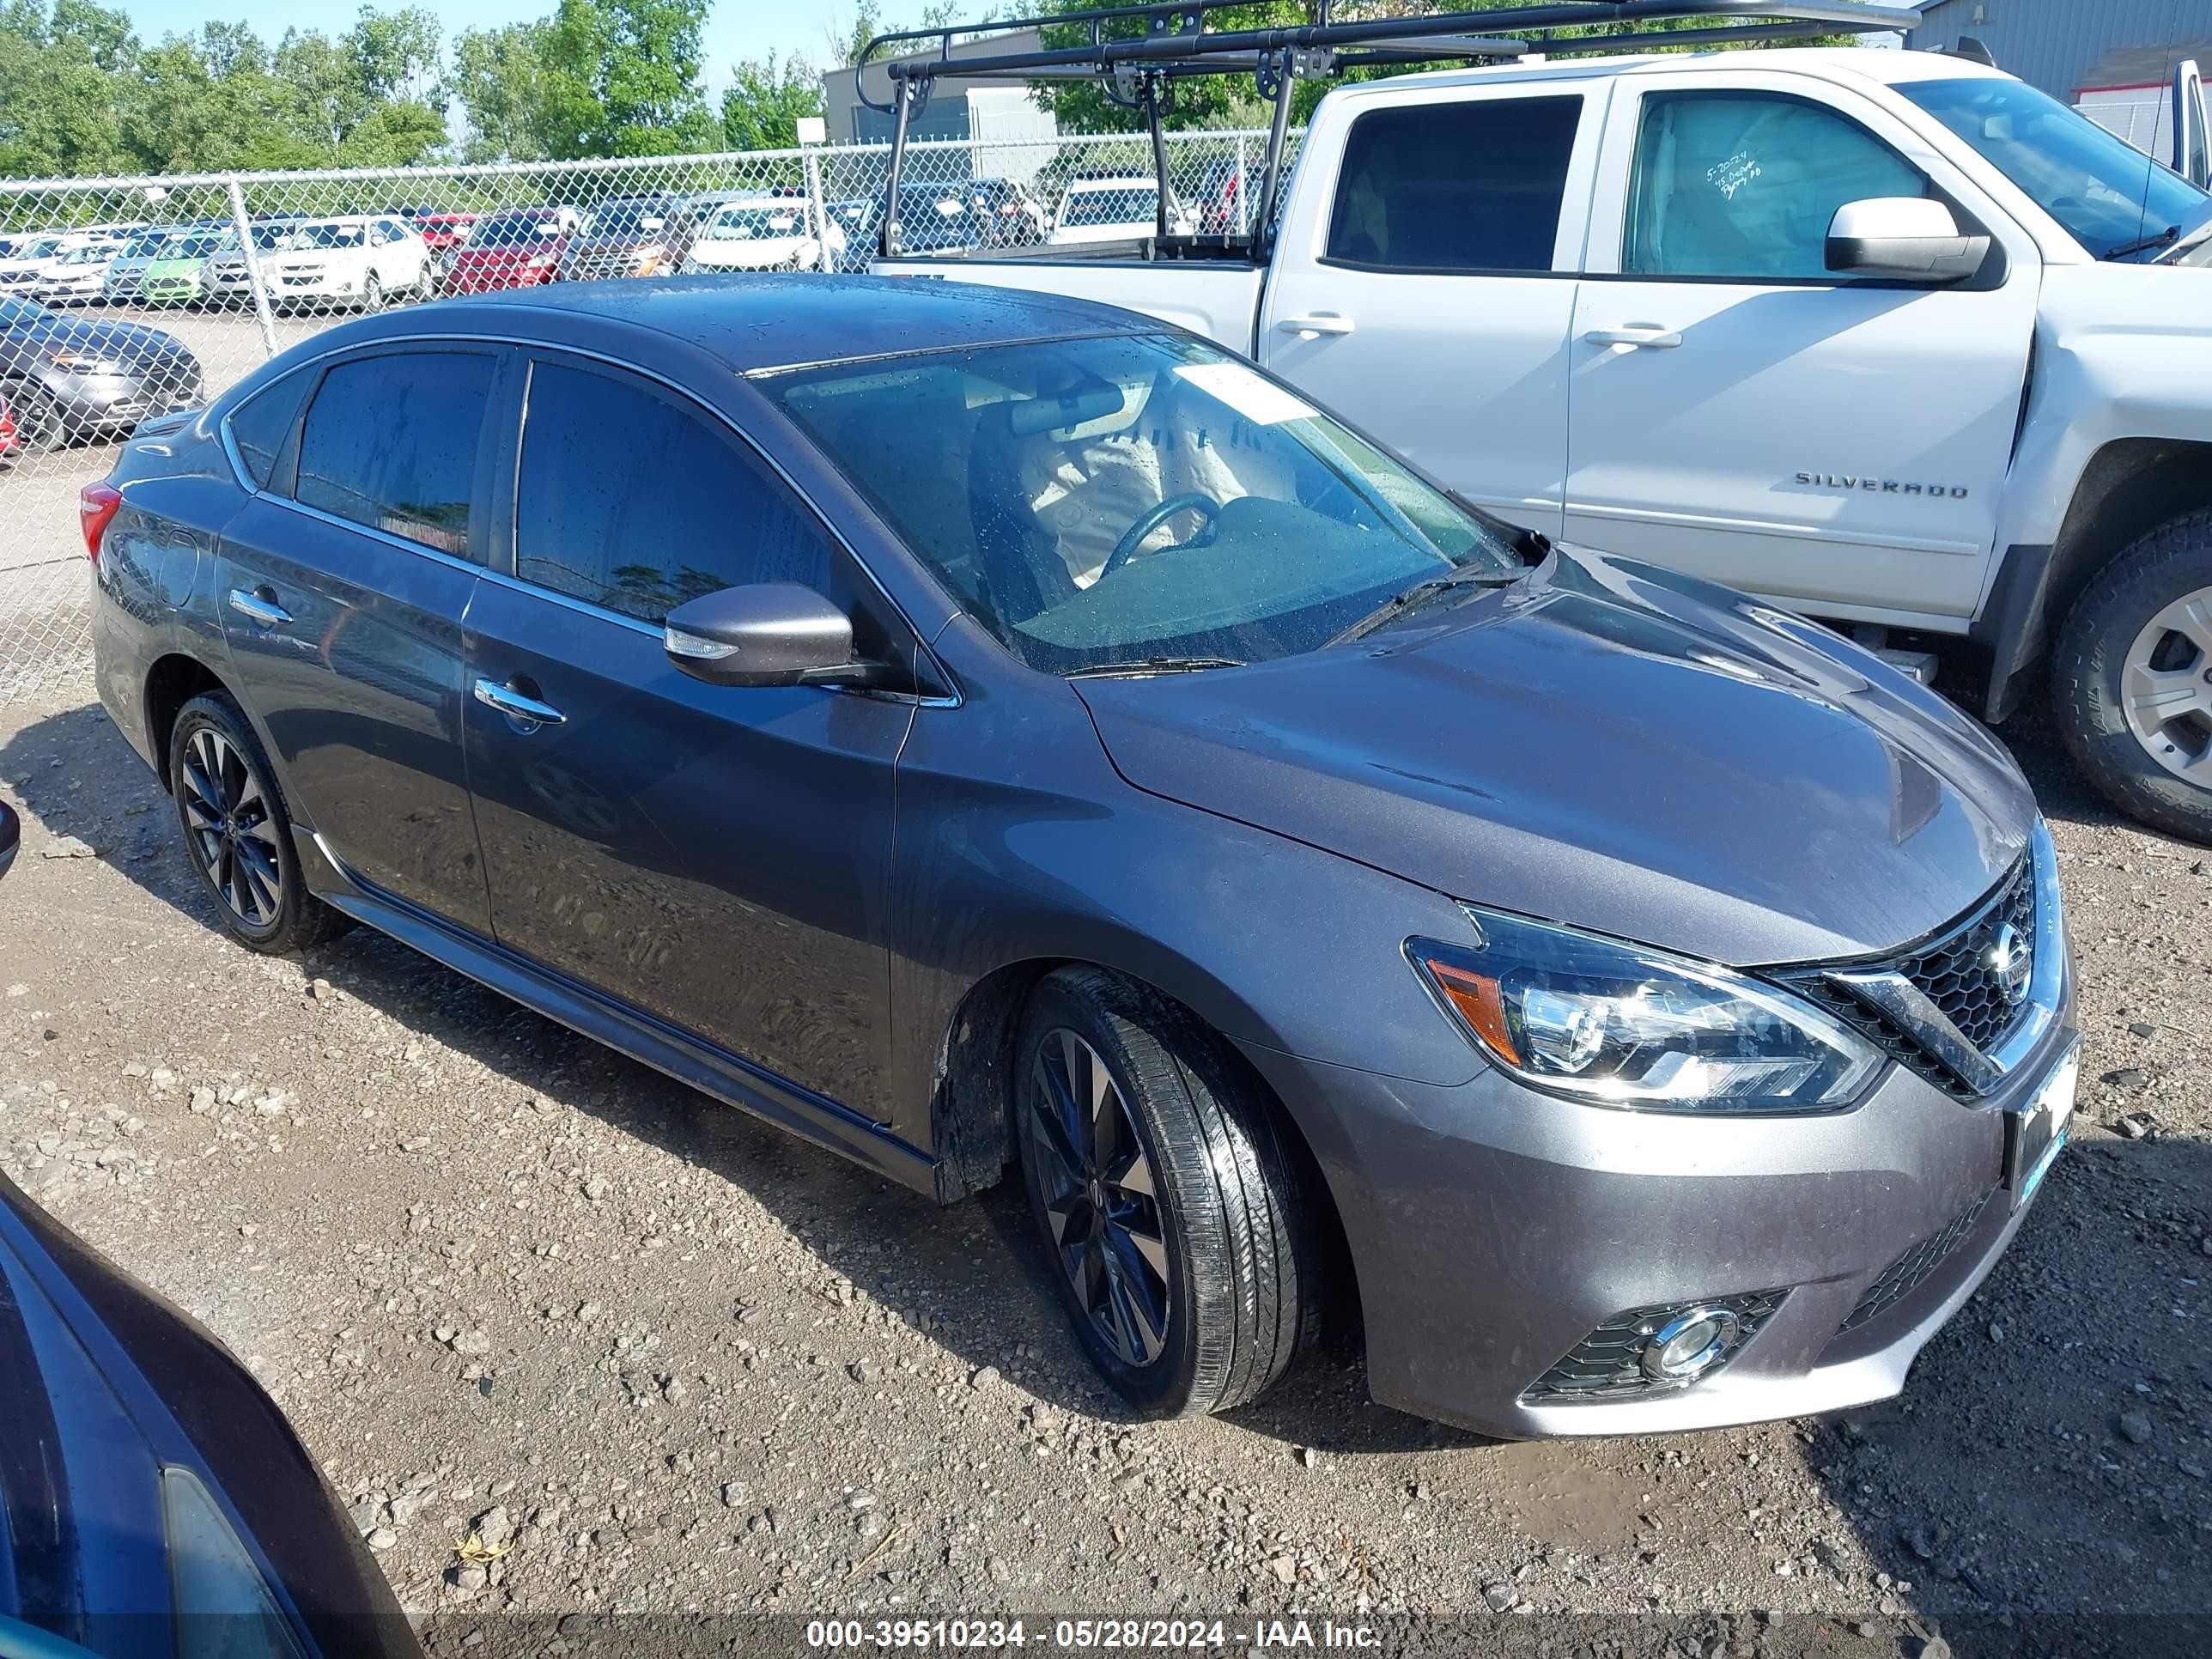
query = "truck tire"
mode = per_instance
[
  {"x": 2132, "y": 678},
  {"x": 1177, "y": 1230}
]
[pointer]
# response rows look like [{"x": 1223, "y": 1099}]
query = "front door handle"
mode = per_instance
[
  {"x": 1636, "y": 334},
  {"x": 1310, "y": 327},
  {"x": 261, "y": 611},
  {"x": 516, "y": 706}
]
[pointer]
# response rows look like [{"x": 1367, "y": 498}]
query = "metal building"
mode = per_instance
[{"x": 2068, "y": 48}]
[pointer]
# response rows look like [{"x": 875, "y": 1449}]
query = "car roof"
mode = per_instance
[
  {"x": 764, "y": 322},
  {"x": 1888, "y": 65}
]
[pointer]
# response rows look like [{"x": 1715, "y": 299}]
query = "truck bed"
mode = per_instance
[{"x": 1217, "y": 298}]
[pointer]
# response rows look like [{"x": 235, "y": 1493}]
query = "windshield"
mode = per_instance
[
  {"x": 191, "y": 247},
  {"x": 1102, "y": 501},
  {"x": 146, "y": 246},
  {"x": 2103, "y": 190},
  {"x": 1128, "y": 205},
  {"x": 618, "y": 221},
  {"x": 327, "y": 236},
  {"x": 744, "y": 224},
  {"x": 512, "y": 229}
]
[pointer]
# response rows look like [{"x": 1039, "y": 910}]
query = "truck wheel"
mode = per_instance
[
  {"x": 1181, "y": 1245},
  {"x": 2132, "y": 678}
]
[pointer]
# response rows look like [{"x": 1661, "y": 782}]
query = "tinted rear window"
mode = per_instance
[
  {"x": 390, "y": 442},
  {"x": 259, "y": 426},
  {"x": 1455, "y": 187}
]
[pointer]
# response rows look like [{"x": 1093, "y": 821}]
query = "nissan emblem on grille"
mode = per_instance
[{"x": 2011, "y": 962}]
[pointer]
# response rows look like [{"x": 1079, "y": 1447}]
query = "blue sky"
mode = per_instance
[{"x": 735, "y": 29}]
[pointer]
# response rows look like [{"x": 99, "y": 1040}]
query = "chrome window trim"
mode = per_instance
[{"x": 953, "y": 700}]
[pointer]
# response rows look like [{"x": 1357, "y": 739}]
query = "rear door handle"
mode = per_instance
[
  {"x": 516, "y": 706},
  {"x": 260, "y": 611},
  {"x": 1636, "y": 334},
  {"x": 1311, "y": 326}
]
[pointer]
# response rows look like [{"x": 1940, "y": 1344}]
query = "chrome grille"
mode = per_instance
[
  {"x": 1955, "y": 971},
  {"x": 1607, "y": 1363},
  {"x": 1910, "y": 1270}
]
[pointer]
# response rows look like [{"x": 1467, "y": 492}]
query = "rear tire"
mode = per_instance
[
  {"x": 39, "y": 427},
  {"x": 2131, "y": 679},
  {"x": 1198, "y": 1281},
  {"x": 238, "y": 832}
]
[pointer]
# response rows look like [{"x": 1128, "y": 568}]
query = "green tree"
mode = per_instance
[
  {"x": 499, "y": 80},
  {"x": 764, "y": 101},
  {"x": 622, "y": 78}
]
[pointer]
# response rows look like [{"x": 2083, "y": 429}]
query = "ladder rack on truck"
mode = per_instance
[{"x": 1139, "y": 52}]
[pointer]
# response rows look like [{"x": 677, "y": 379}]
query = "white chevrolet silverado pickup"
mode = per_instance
[{"x": 1885, "y": 336}]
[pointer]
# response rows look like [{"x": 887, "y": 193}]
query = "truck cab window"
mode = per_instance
[
  {"x": 1743, "y": 184},
  {"x": 1469, "y": 186}
]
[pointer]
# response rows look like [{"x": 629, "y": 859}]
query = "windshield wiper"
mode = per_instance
[
  {"x": 1150, "y": 666},
  {"x": 2165, "y": 238},
  {"x": 1424, "y": 596}
]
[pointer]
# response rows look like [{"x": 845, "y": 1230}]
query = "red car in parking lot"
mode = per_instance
[{"x": 515, "y": 248}]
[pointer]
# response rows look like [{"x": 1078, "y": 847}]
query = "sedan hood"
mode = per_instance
[{"x": 1610, "y": 745}]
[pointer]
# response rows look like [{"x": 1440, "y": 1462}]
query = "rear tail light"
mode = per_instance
[{"x": 95, "y": 507}]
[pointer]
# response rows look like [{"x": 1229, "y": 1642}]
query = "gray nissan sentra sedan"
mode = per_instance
[{"x": 975, "y": 730}]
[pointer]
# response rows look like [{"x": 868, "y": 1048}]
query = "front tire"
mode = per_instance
[
  {"x": 2132, "y": 678},
  {"x": 1180, "y": 1242},
  {"x": 238, "y": 833},
  {"x": 371, "y": 292},
  {"x": 39, "y": 426}
]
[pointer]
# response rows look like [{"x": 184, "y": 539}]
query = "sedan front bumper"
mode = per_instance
[{"x": 1496, "y": 1231}]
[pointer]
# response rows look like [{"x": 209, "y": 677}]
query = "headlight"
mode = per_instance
[
  {"x": 1617, "y": 1024},
  {"x": 85, "y": 363}
]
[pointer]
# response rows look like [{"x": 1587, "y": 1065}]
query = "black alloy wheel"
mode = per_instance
[
  {"x": 1101, "y": 1201},
  {"x": 1182, "y": 1240},
  {"x": 238, "y": 833}
]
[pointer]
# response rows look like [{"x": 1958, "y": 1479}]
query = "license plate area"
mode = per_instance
[{"x": 2034, "y": 1134}]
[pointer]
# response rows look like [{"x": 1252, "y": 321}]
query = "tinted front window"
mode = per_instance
[
  {"x": 390, "y": 442},
  {"x": 508, "y": 229},
  {"x": 632, "y": 501},
  {"x": 2105, "y": 191},
  {"x": 1093, "y": 502},
  {"x": 622, "y": 220},
  {"x": 1465, "y": 186},
  {"x": 1744, "y": 186},
  {"x": 259, "y": 426}
]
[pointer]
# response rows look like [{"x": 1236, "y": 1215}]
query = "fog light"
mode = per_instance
[{"x": 1690, "y": 1344}]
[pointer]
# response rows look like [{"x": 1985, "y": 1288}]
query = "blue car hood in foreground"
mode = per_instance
[{"x": 1610, "y": 745}]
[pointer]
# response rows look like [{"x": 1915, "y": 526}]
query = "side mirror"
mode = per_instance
[
  {"x": 1904, "y": 238},
  {"x": 766, "y": 633}
]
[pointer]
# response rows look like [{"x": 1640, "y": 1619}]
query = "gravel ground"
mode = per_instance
[{"x": 531, "y": 1302}]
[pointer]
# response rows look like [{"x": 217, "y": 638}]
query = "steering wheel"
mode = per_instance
[{"x": 1152, "y": 518}]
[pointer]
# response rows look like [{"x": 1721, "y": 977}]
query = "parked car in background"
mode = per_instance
[
  {"x": 1665, "y": 1002},
  {"x": 1113, "y": 208},
  {"x": 515, "y": 248},
  {"x": 359, "y": 261},
  {"x": 441, "y": 233},
  {"x": 22, "y": 270},
  {"x": 858, "y": 220},
  {"x": 1007, "y": 214},
  {"x": 763, "y": 232},
  {"x": 119, "y": 282},
  {"x": 1219, "y": 202},
  {"x": 180, "y": 274},
  {"x": 226, "y": 277},
  {"x": 156, "y": 1500},
  {"x": 628, "y": 236},
  {"x": 78, "y": 276},
  {"x": 939, "y": 218},
  {"x": 70, "y": 377}
]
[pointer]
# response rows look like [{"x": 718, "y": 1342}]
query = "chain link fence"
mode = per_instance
[{"x": 122, "y": 299}]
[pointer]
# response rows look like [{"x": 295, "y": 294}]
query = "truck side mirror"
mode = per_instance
[{"x": 1908, "y": 239}]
